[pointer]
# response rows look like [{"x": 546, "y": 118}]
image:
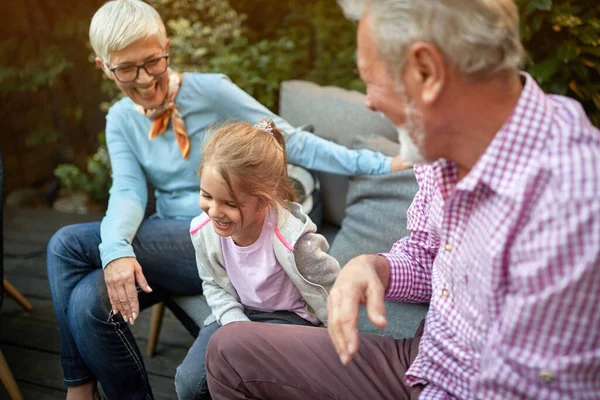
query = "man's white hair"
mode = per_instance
[
  {"x": 475, "y": 36},
  {"x": 119, "y": 23}
]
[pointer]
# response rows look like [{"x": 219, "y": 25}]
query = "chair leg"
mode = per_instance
[
  {"x": 155, "y": 323},
  {"x": 17, "y": 296},
  {"x": 8, "y": 380}
]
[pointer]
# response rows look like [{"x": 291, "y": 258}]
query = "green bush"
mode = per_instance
[
  {"x": 209, "y": 36},
  {"x": 318, "y": 43},
  {"x": 563, "y": 44},
  {"x": 95, "y": 181}
]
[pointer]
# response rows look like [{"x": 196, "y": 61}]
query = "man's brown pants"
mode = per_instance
[{"x": 248, "y": 360}]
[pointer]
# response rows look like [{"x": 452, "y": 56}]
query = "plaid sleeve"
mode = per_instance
[{"x": 411, "y": 258}]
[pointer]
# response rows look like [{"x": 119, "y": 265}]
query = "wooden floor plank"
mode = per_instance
[
  {"x": 35, "y": 392},
  {"x": 43, "y": 370},
  {"x": 30, "y": 340},
  {"x": 34, "y": 367}
]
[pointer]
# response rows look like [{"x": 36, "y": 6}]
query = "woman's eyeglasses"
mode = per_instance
[{"x": 129, "y": 73}]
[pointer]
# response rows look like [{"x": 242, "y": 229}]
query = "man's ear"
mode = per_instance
[
  {"x": 427, "y": 70},
  {"x": 168, "y": 46}
]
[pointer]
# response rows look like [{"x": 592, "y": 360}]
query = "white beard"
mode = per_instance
[{"x": 409, "y": 151}]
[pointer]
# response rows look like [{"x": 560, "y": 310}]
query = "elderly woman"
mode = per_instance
[{"x": 153, "y": 134}]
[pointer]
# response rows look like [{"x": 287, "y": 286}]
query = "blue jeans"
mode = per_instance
[
  {"x": 190, "y": 380},
  {"x": 94, "y": 343}
]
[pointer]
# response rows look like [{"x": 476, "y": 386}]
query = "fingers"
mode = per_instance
[
  {"x": 114, "y": 299},
  {"x": 132, "y": 301},
  {"x": 342, "y": 327},
  {"x": 375, "y": 305},
  {"x": 123, "y": 301},
  {"x": 349, "y": 327},
  {"x": 141, "y": 280}
]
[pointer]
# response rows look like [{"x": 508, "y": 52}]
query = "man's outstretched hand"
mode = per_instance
[{"x": 364, "y": 280}]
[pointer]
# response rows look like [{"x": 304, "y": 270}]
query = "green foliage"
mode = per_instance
[
  {"x": 27, "y": 70},
  {"x": 334, "y": 47},
  {"x": 211, "y": 36},
  {"x": 95, "y": 181},
  {"x": 562, "y": 38}
]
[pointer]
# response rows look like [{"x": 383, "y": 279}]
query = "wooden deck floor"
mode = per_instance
[{"x": 30, "y": 340}]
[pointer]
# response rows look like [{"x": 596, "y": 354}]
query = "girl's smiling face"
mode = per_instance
[{"x": 242, "y": 220}]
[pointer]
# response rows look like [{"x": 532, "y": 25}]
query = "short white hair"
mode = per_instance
[
  {"x": 475, "y": 36},
  {"x": 119, "y": 23}
]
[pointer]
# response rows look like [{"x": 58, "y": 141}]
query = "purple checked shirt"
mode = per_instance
[{"x": 509, "y": 258}]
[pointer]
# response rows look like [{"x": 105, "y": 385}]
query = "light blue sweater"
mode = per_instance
[{"x": 203, "y": 100}]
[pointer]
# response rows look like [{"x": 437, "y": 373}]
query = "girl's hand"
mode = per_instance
[
  {"x": 120, "y": 276},
  {"x": 363, "y": 280}
]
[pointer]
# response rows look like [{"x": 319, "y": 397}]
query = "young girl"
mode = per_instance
[{"x": 258, "y": 254}]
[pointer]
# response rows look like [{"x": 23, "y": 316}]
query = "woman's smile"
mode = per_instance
[{"x": 147, "y": 92}]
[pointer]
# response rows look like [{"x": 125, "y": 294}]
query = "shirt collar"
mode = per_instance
[{"x": 514, "y": 149}]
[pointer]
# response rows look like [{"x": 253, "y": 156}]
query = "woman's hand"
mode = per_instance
[
  {"x": 398, "y": 164},
  {"x": 363, "y": 280},
  {"x": 120, "y": 276}
]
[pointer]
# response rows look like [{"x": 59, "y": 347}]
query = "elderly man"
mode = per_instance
[{"x": 505, "y": 231}]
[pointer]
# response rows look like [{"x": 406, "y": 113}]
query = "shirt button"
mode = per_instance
[
  {"x": 547, "y": 376},
  {"x": 445, "y": 292},
  {"x": 448, "y": 247}
]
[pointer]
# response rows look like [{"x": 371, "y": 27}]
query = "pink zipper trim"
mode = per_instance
[
  {"x": 280, "y": 237},
  {"x": 196, "y": 229}
]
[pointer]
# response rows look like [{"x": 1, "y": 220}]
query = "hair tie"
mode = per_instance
[{"x": 265, "y": 125}]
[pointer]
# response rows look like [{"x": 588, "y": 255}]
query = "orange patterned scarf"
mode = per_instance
[{"x": 169, "y": 110}]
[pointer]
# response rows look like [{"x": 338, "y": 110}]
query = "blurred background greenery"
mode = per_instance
[{"x": 54, "y": 99}]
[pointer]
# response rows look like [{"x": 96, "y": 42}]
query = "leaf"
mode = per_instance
[
  {"x": 567, "y": 51},
  {"x": 559, "y": 87},
  {"x": 544, "y": 70},
  {"x": 596, "y": 100},
  {"x": 594, "y": 23},
  {"x": 544, "y": 5},
  {"x": 590, "y": 64},
  {"x": 536, "y": 22},
  {"x": 580, "y": 70},
  {"x": 575, "y": 88},
  {"x": 595, "y": 51}
]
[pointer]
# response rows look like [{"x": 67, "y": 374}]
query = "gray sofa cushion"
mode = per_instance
[
  {"x": 375, "y": 219},
  {"x": 403, "y": 319},
  {"x": 338, "y": 115},
  {"x": 375, "y": 214}
]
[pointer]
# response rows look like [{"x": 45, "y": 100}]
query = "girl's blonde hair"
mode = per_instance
[{"x": 256, "y": 155}]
